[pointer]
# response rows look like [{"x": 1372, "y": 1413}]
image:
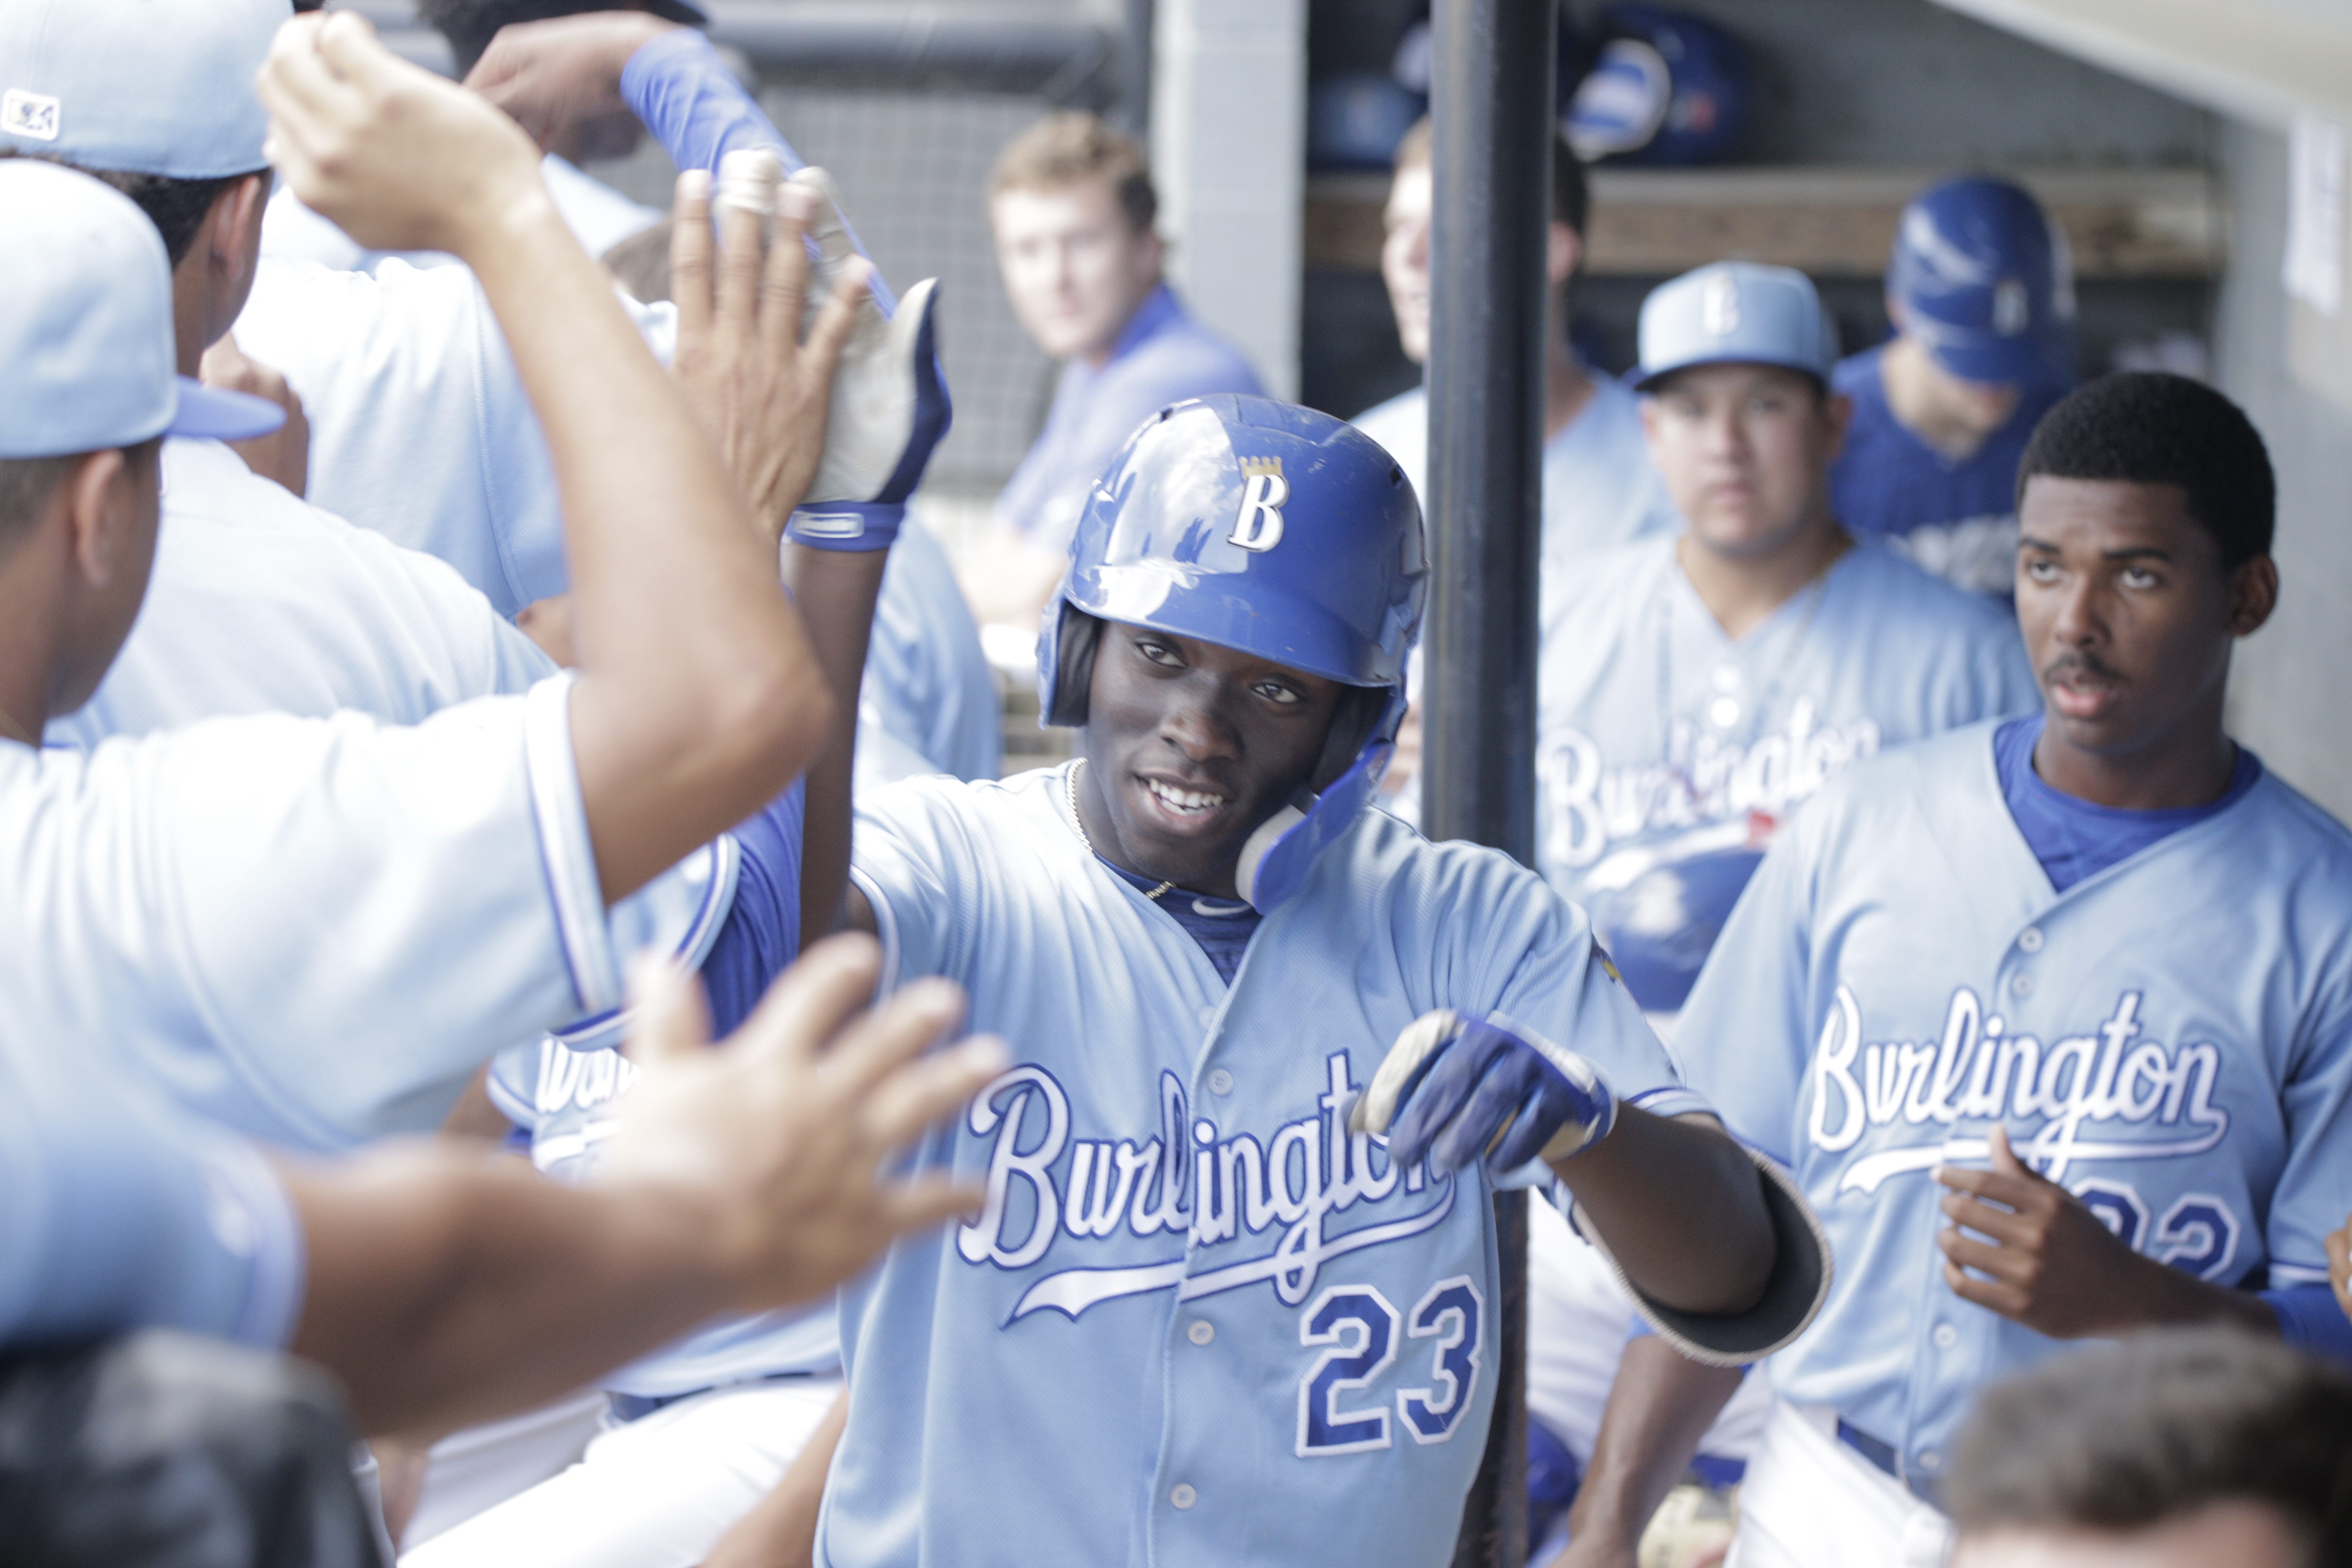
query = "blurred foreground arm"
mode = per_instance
[
  {"x": 446, "y": 1288},
  {"x": 1659, "y": 1408},
  {"x": 698, "y": 696}
]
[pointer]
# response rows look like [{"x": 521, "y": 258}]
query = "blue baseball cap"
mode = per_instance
[
  {"x": 86, "y": 344},
  {"x": 138, "y": 87},
  {"x": 1984, "y": 281},
  {"x": 1735, "y": 312}
]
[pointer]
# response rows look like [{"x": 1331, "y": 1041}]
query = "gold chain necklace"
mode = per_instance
[{"x": 1070, "y": 788}]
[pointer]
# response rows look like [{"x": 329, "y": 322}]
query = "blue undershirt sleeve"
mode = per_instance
[
  {"x": 2310, "y": 1319},
  {"x": 693, "y": 105},
  {"x": 762, "y": 933}
]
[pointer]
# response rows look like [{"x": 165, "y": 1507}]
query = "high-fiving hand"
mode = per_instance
[
  {"x": 760, "y": 389},
  {"x": 775, "y": 1144},
  {"x": 400, "y": 159}
]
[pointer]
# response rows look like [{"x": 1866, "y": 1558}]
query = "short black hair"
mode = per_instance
[
  {"x": 176, "y": 207},
  {"x": 2121, "y": 1437},
  {"x": 470, "y": 25},
  {"x": 2149, "y": 427}
]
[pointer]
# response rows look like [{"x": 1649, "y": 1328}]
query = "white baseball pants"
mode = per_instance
[{"x": 1810, "y": 1502}]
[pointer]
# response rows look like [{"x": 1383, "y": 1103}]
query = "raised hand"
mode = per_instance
[
  {"x": 560, "y": 78},
  {"x": 775, "y": 1144},
  {"x": 400, "y": 159},
  {"x": 762, "y": 390}
]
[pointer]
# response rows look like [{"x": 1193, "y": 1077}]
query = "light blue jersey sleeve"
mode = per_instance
[
  {"x": 118, "y": 1211},
  {"x": 919, "y": 871},
  {"x": 2315, "y": 1191},
  {"x": 928, "y": 688},
  {"x": 1742, "y": 1039}
]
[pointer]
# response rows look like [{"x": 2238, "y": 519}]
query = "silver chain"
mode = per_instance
[{"x": 1070, "y": 788}]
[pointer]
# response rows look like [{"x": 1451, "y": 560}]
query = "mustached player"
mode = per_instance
[
  {"x": 1235, "y": 1284},
  {"x": 2051, "y": 1017}
]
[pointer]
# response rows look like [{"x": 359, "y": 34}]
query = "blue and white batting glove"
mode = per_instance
[
  {"x": 1453, "y": 1090},
  {"x": 890, "y": 407}
]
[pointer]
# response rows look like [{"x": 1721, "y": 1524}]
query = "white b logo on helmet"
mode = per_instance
[
  {"x": 1718, "y": 306},
  {"x": 2012, "y": 311},
  {"x": 1263, "y": 489}
]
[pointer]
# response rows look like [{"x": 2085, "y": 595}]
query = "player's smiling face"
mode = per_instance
[
  {"x": 2127, "y": 613},
  {"x": 1189, "y": 747}
]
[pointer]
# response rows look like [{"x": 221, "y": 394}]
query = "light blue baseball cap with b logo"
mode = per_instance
[
  {"x": 86, "y": 344},
  {"x": 139, "y": 87},
  {"x": 1735, "y": 312}
]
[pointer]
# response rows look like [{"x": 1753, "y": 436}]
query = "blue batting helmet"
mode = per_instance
[
  {"x": 1661, "y": 87},
  {"x": 1268, "y": 528},
  {"x": 1658, "y": 907},
  {"x": 1984, "y": 281}
]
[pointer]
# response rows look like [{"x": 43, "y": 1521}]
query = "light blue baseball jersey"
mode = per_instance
[
  {"x": 599, "y": 218},
  {"x": 118, "y": 1211},
  {"x": 928, "y": 702},
  {"x": 312, "y": 930},
  {"x": 1661, "y": 739},
  {"x": 260, "y": 603},
  {"x": 2170, "y": 1039},
  {"x": 1599, "y": 488},
  {"x": 1197, "y": 1321}
]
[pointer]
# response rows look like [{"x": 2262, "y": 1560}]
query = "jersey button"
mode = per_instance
[
  {"x": 1221, "y": 1081},
  {"x": 1930, "y": 1460},
  {"x": 1183, "y": 1496},
  {"x": 1208, "y": 1016},
  {"x": 2020, "y": 984},
  {"x": 2030, "y": 939},
  {"x": 1201, "y": 1330},
  {"x": 1945, "y": 1336}
]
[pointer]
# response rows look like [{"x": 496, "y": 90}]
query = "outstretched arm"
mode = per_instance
[
  {"x": 1679, "y": 1207},
  {"x": 446, "y": 1287},
  {"x": 698, "y": 697}
]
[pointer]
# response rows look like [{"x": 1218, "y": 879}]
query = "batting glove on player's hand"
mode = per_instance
[
  {"x": 890, "y": 407},
  {"x": 1454, "y": 1088}
]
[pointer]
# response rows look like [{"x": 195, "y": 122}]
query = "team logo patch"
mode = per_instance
[
  {"x": 2013, "y": 312},
  {"x": 1718, "y": 306},
  {"x": 29, "y": 114},
  {"x": 1263, "y": 491}
]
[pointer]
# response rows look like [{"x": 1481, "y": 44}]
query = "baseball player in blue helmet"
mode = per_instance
[
  {"x": 2051, "y": 1016},
  {"x": 1981, "y": 295},
  {"x": 1234, "y": 1283}
]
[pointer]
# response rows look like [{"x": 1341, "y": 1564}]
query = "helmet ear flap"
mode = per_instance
[
  {"x": 1352, "y": 721},
  {"x": 1074, "y": 666}
]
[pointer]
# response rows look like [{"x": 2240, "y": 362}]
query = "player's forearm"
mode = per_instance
[
  {"x": 838, "y": 590},
  {"x": 1660, "y": 1406},
  {"x": 448, "y": 1287},
  {"x": 1680, "y": 1208},
  {"x": 780, "y": 1532},
  {"x": 2166, "y": 1298},
  {"x": 698, "y": 695}
]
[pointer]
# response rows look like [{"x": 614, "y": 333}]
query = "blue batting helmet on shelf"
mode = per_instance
[
  {"x": 1983, "y": 279},
  {"x": 1661, "y": 87},
  {"x": 1272, "y": 528},
  {"x": 1657, "y": 907}
]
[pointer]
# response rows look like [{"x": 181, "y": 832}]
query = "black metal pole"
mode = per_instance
[{"x": 1492, "y": 101}]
